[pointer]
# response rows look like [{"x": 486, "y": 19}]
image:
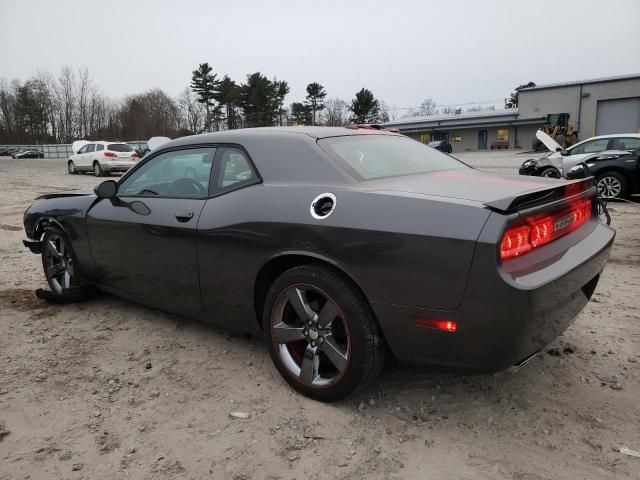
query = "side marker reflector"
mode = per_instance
[{"x": 444, "y": 325}]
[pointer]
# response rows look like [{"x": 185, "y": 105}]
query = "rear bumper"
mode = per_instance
[
  {"x": 116, "y": 166},
  {"x": 508, "y": 313}
]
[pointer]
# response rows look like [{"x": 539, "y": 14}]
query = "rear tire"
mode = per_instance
[
  {"x": 97, "y": 169},
  {"x": 612, "y": 185},
  {"x": 321, "y": 333}
]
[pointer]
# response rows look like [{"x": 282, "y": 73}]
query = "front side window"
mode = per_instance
[
  {"x": 367, "y": 157},
  {"x": 593, "y": 146},
  {"x": 235, "y": 169},
  {"x": 91, "y": 148},
  {"x": 83, "y": 149},
  {"x": 181, "y": 174}
]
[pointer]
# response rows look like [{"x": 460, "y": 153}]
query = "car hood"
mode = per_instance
[
  {"x": 81, "y": 193},
  {"x": 465, "y": 184},
  {"x": 548, "y": 142}
]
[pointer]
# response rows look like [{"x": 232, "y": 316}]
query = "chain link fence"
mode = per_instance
[{"x": 60, "y": 150}]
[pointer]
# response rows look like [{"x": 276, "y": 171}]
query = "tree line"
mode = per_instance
[{"x": 69, "y": 106}]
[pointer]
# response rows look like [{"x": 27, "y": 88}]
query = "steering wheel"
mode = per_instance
[{"x": 187, "y": 186}]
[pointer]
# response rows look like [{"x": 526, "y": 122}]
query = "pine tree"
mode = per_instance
[
  {"x": 315, "y": 100},
  {"x": 365, "y": 108},
  {"x": 204, "y": 84},
  {"x": 227, "y": 94},
  {"x": 301, "y": 113}
]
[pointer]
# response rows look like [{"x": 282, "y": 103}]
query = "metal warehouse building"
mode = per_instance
[{"x": 597, "y": 107}]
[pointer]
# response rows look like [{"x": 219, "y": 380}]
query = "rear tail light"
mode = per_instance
[
  {"x": 110, "y": 154},
  {"x": 135, "y": 155},
  {"x": 538, "y": 231}
]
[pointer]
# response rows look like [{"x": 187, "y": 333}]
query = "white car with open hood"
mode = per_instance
[
  {"x": 561, "y": 161},
  {"x": 101, "y": 157}
]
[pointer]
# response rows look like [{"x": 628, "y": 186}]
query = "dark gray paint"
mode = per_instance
[{"x": 422, "y": 245}]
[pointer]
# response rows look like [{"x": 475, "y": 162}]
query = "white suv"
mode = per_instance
[{"x": 101, "y": 158}]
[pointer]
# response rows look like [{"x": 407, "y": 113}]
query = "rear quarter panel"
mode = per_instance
[{"x": 408, "y": 250}]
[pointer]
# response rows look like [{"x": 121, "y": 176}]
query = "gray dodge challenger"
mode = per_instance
[{"x": 340, "y": 246}]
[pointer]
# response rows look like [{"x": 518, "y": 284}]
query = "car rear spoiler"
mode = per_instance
[{"x": 564, "y": 192}]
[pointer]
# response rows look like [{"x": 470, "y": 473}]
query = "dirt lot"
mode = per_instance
[{"x": 109, "y": 389}]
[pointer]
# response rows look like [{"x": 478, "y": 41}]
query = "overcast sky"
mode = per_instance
[{"x": 404, "y": 51}]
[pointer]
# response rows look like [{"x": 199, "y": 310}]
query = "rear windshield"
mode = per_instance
[
  {"x": 367, "y": 157},
  {"x": 119, "y": 147}
]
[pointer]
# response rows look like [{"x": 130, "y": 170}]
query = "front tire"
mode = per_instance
[
  {"x": 97, "y": 169},
  {"x": 612, "y": 185},
  {"x": 321, "y": 333},
  {"x": 550, "y": 172},
  {"x": 61, "y": 268},
  {"x": 71, "y": 168}
]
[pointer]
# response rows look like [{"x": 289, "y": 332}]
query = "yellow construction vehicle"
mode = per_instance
[{"x": 558, "y": 127}]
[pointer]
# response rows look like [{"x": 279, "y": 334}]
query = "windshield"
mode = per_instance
[
  {"x": 119, "y": 147},
  {"x": 367, "y": 157}
]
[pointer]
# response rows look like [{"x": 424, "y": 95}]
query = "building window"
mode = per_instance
[
  {"x": 503, "y": 135},
  {"x": 456, "y": 138},
  {"x": 425, "y": 137}
]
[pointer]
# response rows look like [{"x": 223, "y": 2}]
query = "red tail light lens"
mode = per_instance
[
  {"x": 444, "y": 325},
  {"x": 110, "y": 154},
  {"x": 515, "y": 242},
  {"x": 538, "y": 231}
]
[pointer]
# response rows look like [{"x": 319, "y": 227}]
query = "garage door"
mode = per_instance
[{"x": 618, "y": 116}]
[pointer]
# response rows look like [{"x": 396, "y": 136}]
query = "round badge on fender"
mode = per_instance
[{"x": 323, "y": 205}]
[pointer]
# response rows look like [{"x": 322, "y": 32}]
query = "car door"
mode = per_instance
[
  {"x": 87, "y": 156},
  {"x": 144, "y": 240}
]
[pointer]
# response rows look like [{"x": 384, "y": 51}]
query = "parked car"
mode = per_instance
[
  {"x": 102, "y": 158},
  {"x": 140, "y": 147},
  {"x": 442, "y": 145},
  {"x": 553, "y": 164},
  {"x": 28, "y": 154},
  {"x": 338, "y": 245},
  {"x": 7, "y": 152},
  {"x": 617, "y": 173}
]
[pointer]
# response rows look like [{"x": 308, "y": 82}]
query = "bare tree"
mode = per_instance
[
  {"x": 191, "y": 112},
  {"x": 427, "y": 107},
  {"x": 83, "y": 97},
  {"x": 336, "y": 113},
  {"x": 8, "y": 114},
  {"x": 65, "y": 95}
]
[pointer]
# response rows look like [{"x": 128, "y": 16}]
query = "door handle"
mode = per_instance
[{"x": 183, "y": 217}]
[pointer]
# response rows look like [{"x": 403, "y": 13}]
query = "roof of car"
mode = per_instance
[
  {"x": 614, "y": 135},
  {"x": 314, "y": 132}
]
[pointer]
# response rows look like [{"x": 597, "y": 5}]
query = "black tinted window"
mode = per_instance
[
  {"x": 367, "y": 157},
  {"x": 119, "y": 147}
]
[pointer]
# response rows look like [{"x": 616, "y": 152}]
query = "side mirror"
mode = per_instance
[{"x": 106, "y": 189}]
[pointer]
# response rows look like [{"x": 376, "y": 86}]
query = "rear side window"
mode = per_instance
[
  {"x": 626, "y": 143},
  {"x": 368, "y": 157},
  {"x": 119, "y": 147},
  {"x": 99, "y": 147},
  {"x": 235, "y": 169}
]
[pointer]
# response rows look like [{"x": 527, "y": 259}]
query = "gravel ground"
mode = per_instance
[{"x": 110, "y": 389}]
